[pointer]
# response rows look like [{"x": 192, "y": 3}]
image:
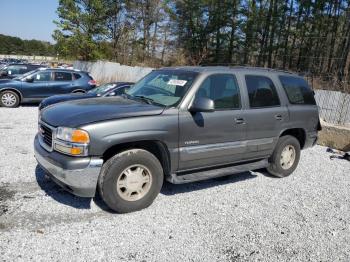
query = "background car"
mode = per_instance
[
  {"x": 36, "y": 85},
  {"x": 10, "y": 71},
  {"x": 109, "y": 89}
]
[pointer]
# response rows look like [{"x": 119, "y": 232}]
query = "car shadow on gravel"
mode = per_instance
[
  {"x": 30, "y": 105},
  {"x": 171, "y": 189},
  {"x": 59, "y": 194}
]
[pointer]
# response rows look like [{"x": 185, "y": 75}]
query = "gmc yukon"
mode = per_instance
[{"x": 181, "y": 124}]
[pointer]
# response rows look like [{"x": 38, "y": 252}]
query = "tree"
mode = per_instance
[{"x": 81, "y": 27}]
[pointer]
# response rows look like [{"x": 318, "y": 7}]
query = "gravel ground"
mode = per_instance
[{"x": 248, "y": 216}]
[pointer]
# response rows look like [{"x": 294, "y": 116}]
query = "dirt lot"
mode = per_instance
[{"x": 249, "y": 216}]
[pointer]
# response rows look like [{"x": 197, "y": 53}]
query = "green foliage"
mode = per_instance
[
  {"x": 14, "y": 45},
  {"x": 306, "y": 36},
  {"x": 81, "y": 28}
]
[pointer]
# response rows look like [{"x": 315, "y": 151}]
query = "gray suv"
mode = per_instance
[{"x": 181, "y": 124}]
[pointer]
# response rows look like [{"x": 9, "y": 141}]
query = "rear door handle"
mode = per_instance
[
  {"x": 239, "y": 121},
  {"x": 278, "y": 117}
]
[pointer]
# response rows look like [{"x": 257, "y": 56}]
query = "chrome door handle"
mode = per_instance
[
  {"x": 278, "y": 117},
  {"x": 239, "y": 121}
]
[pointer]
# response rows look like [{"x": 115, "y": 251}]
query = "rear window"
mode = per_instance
[
  {"x": 297, "y": 90},
  {"x": 63, "y": 76}
]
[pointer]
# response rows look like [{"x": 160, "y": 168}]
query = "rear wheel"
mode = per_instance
[
  {"x": 285, "y": 158},
  {"x": 9, "y": 98},
  {"x": 131, "y": 180}
]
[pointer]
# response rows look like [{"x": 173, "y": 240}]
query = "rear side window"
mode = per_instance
[
  {"x": 297, "y": 90},
  {"x": 77, "y": 76},
  {"x": 63, "y": 76},
  {"x": 262, "y": 92}
]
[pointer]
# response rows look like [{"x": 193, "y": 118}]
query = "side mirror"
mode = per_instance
[
  {"x": 202, "y": 104},
  {"x": 3, "y": 73},
  {"x": 111, "y": 94},
  {"x": 29, "y": 79}
]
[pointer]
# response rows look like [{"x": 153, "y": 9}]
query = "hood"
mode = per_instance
[
  {"x": 80, "y": 112},
  {"x": 6, "y": 81},
  {"x": 62, "y": 98}
]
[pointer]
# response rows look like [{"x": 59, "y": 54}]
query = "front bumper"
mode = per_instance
[{"x": 76, "y": 175}]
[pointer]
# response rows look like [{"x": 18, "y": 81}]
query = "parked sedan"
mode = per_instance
[
  {"x": 110, "y": 89},
  {"x": 10, "y": 71},
  {"x": 42, "y": 83}
]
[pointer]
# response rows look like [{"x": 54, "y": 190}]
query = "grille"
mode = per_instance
[{"x": 46, "y": 134}]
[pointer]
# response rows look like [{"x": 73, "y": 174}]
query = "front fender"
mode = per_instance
[
  {"x": 99, "y": 145},
  {"x": 105, "y": 134}
]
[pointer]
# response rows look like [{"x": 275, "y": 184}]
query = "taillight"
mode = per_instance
[{"x": 92, "y": 82}]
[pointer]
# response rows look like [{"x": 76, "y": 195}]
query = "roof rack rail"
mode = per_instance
[{"x": 235, "y": 66}]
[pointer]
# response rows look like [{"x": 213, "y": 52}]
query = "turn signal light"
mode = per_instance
[
  {"x": 80, "y": 136},
  {"x": 76, "y": 151}
]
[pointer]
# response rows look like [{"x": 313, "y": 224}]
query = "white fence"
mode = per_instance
[
  {"x": 334, "y": 106},
  {"x": 103, "y": 71}
]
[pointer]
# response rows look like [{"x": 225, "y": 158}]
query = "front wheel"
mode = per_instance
[
  {"x": 9, "y": 99},
  {"x": 131, "y": 180},
  {"x": 285, "y": 158}
]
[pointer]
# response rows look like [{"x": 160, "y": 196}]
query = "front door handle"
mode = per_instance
[
  {"x": 278, "y": 117},
  {"x": 239, "y": 120}
]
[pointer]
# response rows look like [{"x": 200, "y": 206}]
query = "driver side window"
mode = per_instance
[
  {"x": 42, "y": 77},
  {"x": 223, "y": 89}
]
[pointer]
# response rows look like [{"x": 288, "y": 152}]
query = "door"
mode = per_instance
[
  {"x": 213, "y": 138},
  {"x": 265, "y": 116},
  {"x": 39, "y": 86},
  {"x": 62, "y": 83}
]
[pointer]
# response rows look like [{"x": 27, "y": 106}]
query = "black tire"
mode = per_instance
[
  {"x": 113, "y": 169},
  {"x": 12, "y": 94},
  {"x": 275, "y": 168}
]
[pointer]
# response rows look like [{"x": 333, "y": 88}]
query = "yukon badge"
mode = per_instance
[{"x": 192, "y": 142}]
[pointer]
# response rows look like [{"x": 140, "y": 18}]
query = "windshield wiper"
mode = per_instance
[{"x": 146, "y": 99}]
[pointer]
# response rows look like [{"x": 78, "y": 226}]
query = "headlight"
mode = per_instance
[
  {"x": 72, "y": 135},
  {"x": 71, "y": 141}
]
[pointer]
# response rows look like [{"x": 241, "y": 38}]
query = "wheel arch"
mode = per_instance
[
  {"x": 298, "y": 133},
  {"x": 156, "y": 147},
  {"x": 14, "y": 90},
  {"x": 79, "y": 90}
]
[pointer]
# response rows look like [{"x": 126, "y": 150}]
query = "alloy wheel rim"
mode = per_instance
[
  {"x": 134, "y": 182},
  {"x": 287, "y": 157},
  {"x": 8, "y": 99}
]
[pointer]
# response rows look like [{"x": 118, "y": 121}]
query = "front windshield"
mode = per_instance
[
  {"x": 102, "y": 89},
  {"x": 164, "y": 87}
]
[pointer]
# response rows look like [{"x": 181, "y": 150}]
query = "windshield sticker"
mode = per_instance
[{"x": 177, "y": 82}]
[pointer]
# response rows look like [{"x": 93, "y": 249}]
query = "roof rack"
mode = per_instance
[{"x": 235, "y": 66}]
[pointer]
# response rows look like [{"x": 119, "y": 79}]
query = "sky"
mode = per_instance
[{"x": 28, "y": 19}]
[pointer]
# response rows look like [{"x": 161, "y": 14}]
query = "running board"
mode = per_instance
[{"x": 208, "y": 174}]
